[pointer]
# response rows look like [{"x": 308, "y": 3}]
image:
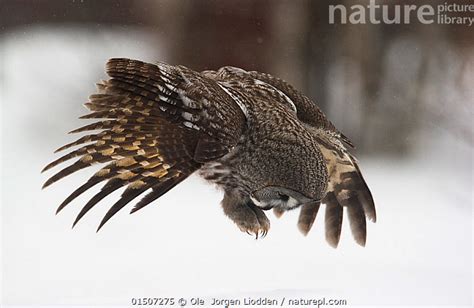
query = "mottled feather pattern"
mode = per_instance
[
  {"x": 333, "y": 219},
  {"x": 346, "y": 189},
  {"x": 143, "y": 136},
  {"x": 307, "y": 216},
  {"x": 246, "y": 132}
]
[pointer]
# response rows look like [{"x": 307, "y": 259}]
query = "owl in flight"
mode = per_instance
[{"x": 266, "y": 145}]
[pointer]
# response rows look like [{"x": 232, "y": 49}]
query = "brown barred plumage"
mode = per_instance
[{"x": 254, "y": 135}]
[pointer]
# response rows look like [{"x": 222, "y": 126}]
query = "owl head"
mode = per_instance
[{"x": 294, "y": 176}]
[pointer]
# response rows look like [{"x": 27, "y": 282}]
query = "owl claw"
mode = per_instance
[
  {"x": 248, "y": 217},
  {"x": 257, "y": 228}
]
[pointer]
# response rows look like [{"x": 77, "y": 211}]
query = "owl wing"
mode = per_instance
[
  {"x": 306, "y": 111},
  {"x": 157, "y": 125},
  {"x": 347, "y": 187}
]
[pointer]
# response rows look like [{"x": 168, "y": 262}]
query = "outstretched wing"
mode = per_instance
[
  {"x": 158, "y": 124},
  {"x": 346, "y": 189}
]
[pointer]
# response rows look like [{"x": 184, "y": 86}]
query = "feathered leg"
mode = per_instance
[{"x": 248, "y": 217}]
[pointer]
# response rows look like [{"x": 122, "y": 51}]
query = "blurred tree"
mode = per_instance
[{"x": 379, "y": 83}]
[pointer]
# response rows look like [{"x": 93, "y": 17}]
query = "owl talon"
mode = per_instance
[
  {"x": 255, "y": 225},
  {"x": 258, "y": 226},
  {"x": 248, "y": 217}
]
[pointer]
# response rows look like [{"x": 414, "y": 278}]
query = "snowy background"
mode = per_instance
[{"x": 418, "y": 253}]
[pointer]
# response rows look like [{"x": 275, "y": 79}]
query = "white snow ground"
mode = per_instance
[{"x": 418, "y": 253}]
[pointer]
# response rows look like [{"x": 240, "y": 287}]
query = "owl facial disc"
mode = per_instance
[{"x": 279, "y": 197}]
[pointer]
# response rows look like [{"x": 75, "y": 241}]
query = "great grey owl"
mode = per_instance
[{"x": 259, "y": 139}]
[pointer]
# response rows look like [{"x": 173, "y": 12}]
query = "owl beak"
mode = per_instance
[{"x": 255, "y": 201}]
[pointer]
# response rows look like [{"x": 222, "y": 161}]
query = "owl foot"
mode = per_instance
[
  {"x": 252, "y": 220},
  {"x": 248, "y": 217}
]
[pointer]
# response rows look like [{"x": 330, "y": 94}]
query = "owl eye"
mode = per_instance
[{"x": 283, "y": 196}]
